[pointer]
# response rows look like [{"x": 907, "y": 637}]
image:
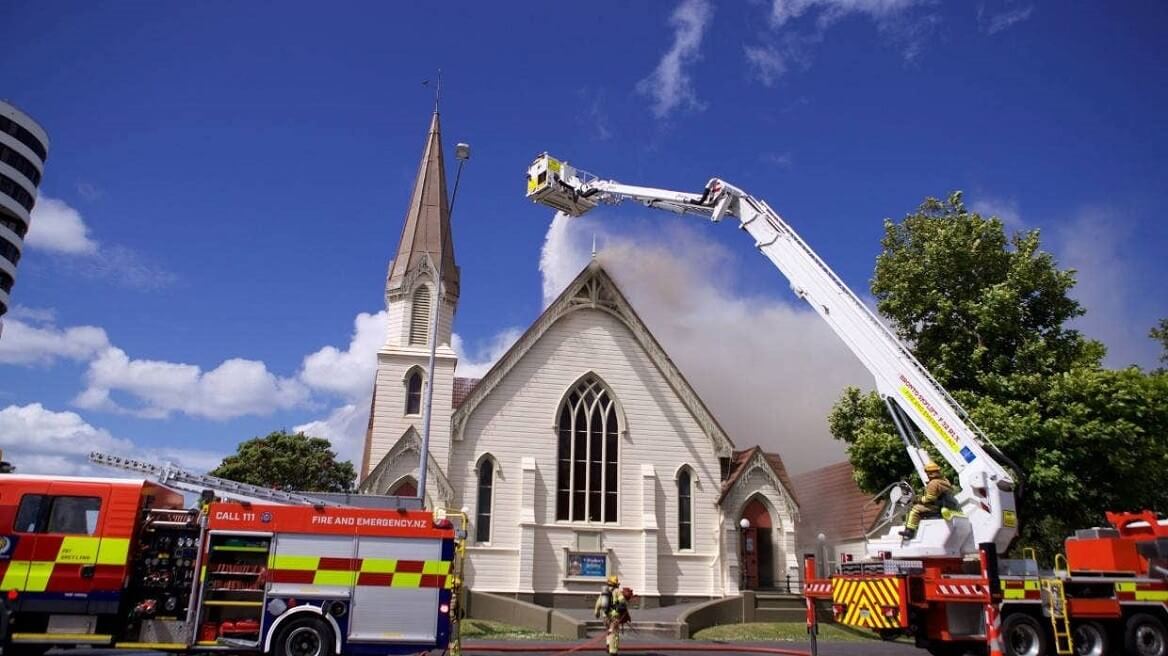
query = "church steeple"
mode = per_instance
[{"x": 426, "y": 233}]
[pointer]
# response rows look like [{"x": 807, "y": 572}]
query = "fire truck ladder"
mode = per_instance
[
  {"x": 1054, "y": 598},
  {"x": 181, "y": 479}
]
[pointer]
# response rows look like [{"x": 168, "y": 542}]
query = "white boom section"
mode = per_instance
[
  {"x": 987, "y": 489},
  {"x": 181, "y": 479}
]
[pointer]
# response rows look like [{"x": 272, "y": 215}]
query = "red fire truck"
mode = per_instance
[
  {"x": 121, "y": 563},
  {"x": 1108, "y": 595}
]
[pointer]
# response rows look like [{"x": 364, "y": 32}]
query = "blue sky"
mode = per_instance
[{"x": 226, "y": 184}]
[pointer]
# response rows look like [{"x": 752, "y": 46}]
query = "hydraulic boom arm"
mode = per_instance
[{"x": 911, "y": 393}]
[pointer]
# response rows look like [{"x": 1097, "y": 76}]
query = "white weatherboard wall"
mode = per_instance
[{"x": 517, "y": 421}]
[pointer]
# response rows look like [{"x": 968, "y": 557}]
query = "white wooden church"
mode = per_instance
[{"x": 583, "y": 452}]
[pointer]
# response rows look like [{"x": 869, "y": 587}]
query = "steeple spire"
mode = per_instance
[{"x": 427, "y": 226}]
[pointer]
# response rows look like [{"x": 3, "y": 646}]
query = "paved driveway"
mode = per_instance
[{"x": 860, "y": 648}]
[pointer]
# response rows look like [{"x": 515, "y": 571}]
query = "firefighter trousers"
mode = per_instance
[{"x": 613, "y": 640}]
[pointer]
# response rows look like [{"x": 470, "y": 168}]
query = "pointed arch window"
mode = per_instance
[
  {"x": 414, "y": 393},
  {"x": 420, "y": 317},
  {"x": 685, "y": 508},
  {"x": 485, "y": 499},
  {"x": 587, "y": 472}
]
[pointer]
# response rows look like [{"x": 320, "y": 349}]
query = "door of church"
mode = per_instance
[{"x": 750, "y": 558}]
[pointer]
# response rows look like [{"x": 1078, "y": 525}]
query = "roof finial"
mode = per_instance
[
  {"x": 594, "y": 245},
  {"x": 437, "y": 91}
]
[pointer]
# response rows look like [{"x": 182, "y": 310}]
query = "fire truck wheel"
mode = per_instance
[
  {"x": 308, "y": 635},
  {"x": 1091, "y": 639},
  {"x": 1146, "y": 636},
  {"x": 1022, "y": 635}
]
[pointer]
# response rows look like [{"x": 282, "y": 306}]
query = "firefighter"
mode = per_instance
[
  {"x": 937, "y": 494},
  {"x": 613, "y": 608}
]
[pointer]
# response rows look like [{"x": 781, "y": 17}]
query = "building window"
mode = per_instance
[
  {"x": 587, "y": 476},
  {"x": 685, "y": 509},
  {"x": 483, "y": 510},
  {"x": 420, "y": 317},
  {"x": 414, "y": 393}
]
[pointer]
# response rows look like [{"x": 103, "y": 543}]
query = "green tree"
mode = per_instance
[
  {"x": 987, "y": 314},
  {"x": 1160, "y": 334},
  {"x": 288, "y": 462}
]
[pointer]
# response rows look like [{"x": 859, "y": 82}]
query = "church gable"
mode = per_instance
[
  {"x": 594, "y": 289},
  {"x": 401, "y": 462}
]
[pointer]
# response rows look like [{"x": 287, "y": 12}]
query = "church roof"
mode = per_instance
[
  {"x": 834, "y": 505},
  {"x": 462, "y": 388},
  {"x": 593, "y": 288},
  {"x": 739, "y": 465},
  {"x": 426, "y": 233}
]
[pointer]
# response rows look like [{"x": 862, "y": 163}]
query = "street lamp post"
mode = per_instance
[
  {"x": 462, "y": 153},
  {"x": 743, "y": 525}
]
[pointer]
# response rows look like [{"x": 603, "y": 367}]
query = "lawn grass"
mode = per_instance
[
  {"x": 787, "y": 631},
  {"x": 489, "y": 630}
]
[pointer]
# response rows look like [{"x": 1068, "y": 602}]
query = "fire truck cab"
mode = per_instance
[{"x": 121, "y": 563}]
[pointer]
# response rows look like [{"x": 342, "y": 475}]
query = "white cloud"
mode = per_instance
[
  {"x": 235, "y": 388},
  {"x": 767, "y": 64},
  {"x": 782, "y": 160},
  {"x": 1003, "y": 208},
  {"x": 1095, "y": 243},
  {"x": 34, "y": 315},
  {"x": 59, "y": 228},
  {"x": 42, "y": 441},
  {"x": 348, "y": 373},
  {"x": 829, "y": 11},
  {"x": 89, "y": 191},
  {"x": 769, "y": 370},
  {"x": 26, "y": 344},
  {"x": 669, "y": 85},
  {"x": 797, "y": 26},
  {"x": 124, "y": 266},
  {"x": 344, "y": 427},
  {"x": 992, "y": 22},
  {"x": 477, "y": 363}
]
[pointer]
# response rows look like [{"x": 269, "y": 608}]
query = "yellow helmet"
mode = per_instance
[
  {"x": 932, "y": 468},
  {"x": 613, "y": 580}
]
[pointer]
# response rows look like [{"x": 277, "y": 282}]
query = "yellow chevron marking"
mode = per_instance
[{"x": 865, "y": 601}]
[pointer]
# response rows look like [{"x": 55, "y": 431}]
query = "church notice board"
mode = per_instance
[{"x": 587, "y": 564}]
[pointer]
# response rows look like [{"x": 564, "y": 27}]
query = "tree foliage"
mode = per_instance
[
  {"x": 288, "y": 461},
  {"x": 988, "y": 315},
  {"x": 1160, "y": 334}
]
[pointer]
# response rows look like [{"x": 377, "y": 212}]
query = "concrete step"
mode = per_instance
[{"x": 639, "y": 630}]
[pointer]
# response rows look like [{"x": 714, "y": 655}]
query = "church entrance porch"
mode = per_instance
[{"x": 758, "y": 549}]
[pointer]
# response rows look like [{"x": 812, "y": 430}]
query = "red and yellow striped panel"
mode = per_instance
[
  {"x": 316, "y": 570},
  {"x": 864, "y": 601},
  {"x": 1139, "y": 591},
  {"x": 53, "y": 563}
]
